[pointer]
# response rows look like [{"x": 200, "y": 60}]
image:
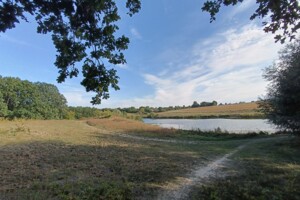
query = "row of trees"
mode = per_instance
[
  {"x": 204, "y": 104},
  {"x": 80, "y": 112},
  {"x": 148, "y": 109},
  {"x": 27, "y": 100}
]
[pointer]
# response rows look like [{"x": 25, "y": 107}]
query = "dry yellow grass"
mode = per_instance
[
  {"x": 122, "y": 125},
  {"x": 235, "y": 110},
  {"x": 87, "y": 159},
  {"x": 69, "y": 159}
]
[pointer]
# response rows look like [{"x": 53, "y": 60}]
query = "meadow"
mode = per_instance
[
  {"x": 117, "y": 158},
  {"x": 239, "y": 111}
]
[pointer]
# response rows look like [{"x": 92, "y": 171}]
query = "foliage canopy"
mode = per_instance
[
  {"x": 282, "y": 102},
  {"x": 83, "y": 32},
  {"x": 24, "y": 99},
  {"x": 282, "y": 16}
]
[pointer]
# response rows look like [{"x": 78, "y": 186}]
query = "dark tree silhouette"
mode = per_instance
[{"x": 282, "y": 102}]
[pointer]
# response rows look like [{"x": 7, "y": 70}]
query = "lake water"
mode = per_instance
[{"x": 230, "y": 125}]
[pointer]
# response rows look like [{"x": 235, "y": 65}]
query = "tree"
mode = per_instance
[
  {"x": 84, "y": 32},
  {"x": 24, "y": 99},
  {"x": 214, "y": 103},
  {"x": 195, "y": 104},
  {"x": 3, "y": 106},
  {"x": 282, "y": 102},
  {"x": 282, "y": 15},
  {"x": 49, "y": 102}
]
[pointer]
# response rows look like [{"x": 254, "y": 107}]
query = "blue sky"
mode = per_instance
[{"x": 175, "y": 56}]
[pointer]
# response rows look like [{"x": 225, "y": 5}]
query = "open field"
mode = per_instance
[
  {"x": 115, "y": 158},
  {"x": 242, "y": 110}
]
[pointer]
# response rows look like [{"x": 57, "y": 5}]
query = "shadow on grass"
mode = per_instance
[
  {"x": 269, "y": 170},
  {"x": 104, "y": 170}
]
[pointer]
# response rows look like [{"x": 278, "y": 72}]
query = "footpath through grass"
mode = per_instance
[
  {"x": 269, "y": 169},
  {"x": 89, "y": 160}
]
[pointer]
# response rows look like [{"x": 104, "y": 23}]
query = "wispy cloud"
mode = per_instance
[
  {"x": 13, "y": 40},
  {"x": 226, "y": 67},
  {"x": 242, "y": 7},
  {"x": 122, "y": 66},
  {"x": 135, "y": 33}
]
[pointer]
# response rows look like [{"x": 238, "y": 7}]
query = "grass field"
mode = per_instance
[
  {"x": 115, "y": 158},
  {"x": 242, "y": 110}
]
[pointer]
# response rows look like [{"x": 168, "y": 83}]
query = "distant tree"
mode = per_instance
[
  {"x": 141, "y": 110},
  {"x": 148, "y": 109},
  {"x": 214, "y": 103},
  {"x": 282, "y": 102},
  {"x": 131, "y": 110},
  {"x": 69, "y": 115},
  {"x": 195, "y": 104},
  {"x": 161, "y": 109},
  {"x": 85, "y": 112},
  {"x": 204, "y": 103}
]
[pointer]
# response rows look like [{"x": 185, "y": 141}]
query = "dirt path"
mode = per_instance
[{"x": 181, "y": 187}]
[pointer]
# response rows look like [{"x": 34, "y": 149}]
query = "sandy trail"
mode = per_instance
[{"x": 181, "y": 190}]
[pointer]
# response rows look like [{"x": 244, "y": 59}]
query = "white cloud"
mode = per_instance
[
  {"x": 135, "y": 33},
  {"x": 75, "y": 94},
  {"x": 226, "y": 67},
  {"x": 122, "y": 66},
  {"x": 77, "y": 98},
  {"x": 242, "y": 7}
]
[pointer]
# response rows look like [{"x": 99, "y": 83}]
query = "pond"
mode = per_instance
[{"x": 230, "y": 125}]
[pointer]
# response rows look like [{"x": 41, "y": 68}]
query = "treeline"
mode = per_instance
[
  {"x": 28, "y": 100},
  {"x": 88, "y": 112},
  {"x": 204, "y": 104},
  {"x": 148, "y": 109}
]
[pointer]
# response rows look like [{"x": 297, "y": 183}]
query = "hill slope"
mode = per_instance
[{"x": 243, "y": 110}]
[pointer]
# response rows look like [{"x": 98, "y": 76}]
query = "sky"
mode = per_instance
[{"x": 176, "y": 56}]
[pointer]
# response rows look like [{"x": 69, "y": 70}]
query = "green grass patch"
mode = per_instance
[
  {"x": 264, "y": 170},
  {"x": 75, "y": 160},
  {"x": 199, "y": 135}
]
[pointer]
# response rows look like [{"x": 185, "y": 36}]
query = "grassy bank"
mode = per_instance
[
  {"x": 234, "y": 111},
  {"x": 90, "y": 159}
]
